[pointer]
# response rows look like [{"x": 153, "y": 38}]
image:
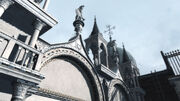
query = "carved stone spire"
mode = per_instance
[
  {"x": 125, "y": 55},
  {"x": 95, "y": 28}
]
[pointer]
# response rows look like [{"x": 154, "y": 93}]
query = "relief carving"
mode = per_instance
[{"x": 19, "y": 91}]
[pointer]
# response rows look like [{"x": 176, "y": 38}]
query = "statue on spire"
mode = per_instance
[
  {"x": 79, "y": 13},
  {"x": 78, "y": 23}
]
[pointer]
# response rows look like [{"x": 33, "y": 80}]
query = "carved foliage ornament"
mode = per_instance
[{"x": 19, "y": 90}]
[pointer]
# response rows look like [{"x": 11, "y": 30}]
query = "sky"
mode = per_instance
[{"x": 145, "y": 26}]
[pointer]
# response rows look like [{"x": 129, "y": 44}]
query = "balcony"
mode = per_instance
[
  {"x": 18, "y": 59},
  {"x": 27, "y": 12},
  {"x": 103, "y": 70}
]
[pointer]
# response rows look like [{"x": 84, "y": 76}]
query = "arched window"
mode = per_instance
[
  {"x": 103, "y": 54},
  {"x": 118, "y": 94}
]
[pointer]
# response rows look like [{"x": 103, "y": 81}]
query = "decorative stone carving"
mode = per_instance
[
  {"x": 19, "y": 91},
  {"x": 78, "y": 23},
  {"x": 75, "y": 44},
  {"x": 41, "y": 46},
  {"x": 39, "y": 24},
  {"x": 122, "y": 85},
  {"x": 61, "y": 50},
  {"x": 105, "y": 87}
]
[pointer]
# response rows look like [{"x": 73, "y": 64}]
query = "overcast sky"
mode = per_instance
[{"x": 145, "y": 26}]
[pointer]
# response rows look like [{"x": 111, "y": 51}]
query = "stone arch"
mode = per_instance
[
  {"x": 73, "y": 56},
  {"x": 120, "y": 84}
]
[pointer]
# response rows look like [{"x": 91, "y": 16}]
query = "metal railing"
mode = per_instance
[
  {"x": 172, "y": 61},
  {"x": 18, "y": 53}
]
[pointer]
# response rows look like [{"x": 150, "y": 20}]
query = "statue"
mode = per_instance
[
  {"x": 115, "y": 52},
  {"x": 78, "y": 23},
  {"x": 79, "y": 13}
]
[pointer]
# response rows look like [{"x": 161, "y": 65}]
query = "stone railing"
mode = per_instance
[{"x": 18, "y": 53}]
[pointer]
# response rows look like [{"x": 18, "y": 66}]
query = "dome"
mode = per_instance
[{"x": 122, "y": 53}]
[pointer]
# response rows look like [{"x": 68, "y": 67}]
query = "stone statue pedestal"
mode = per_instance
[{"x": 78, "y": 24}]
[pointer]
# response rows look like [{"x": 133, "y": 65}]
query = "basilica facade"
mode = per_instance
[{"x": 31, "y": 69}]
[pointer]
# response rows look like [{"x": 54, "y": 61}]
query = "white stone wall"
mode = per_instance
[
  {"x": 5, "y": 97},
  {"x": 63, "y": 77}
]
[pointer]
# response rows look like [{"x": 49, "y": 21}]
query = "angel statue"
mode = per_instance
[{"x": 79, "y": 13}]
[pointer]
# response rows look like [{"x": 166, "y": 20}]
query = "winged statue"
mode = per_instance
[{"x": 79, "y": 13}]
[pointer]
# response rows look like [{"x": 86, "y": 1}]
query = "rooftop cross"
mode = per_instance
[{"x": 109, "y": 31}]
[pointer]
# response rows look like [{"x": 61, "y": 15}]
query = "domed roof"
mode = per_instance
[
  {"x": 124, "y": 55},
  {"x": 121, "y": 53}
]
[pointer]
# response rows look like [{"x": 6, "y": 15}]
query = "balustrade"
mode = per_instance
[{"x": 17, "y": 52}]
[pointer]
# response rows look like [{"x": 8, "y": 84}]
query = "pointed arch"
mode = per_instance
[{"x": 117, "y": 84}]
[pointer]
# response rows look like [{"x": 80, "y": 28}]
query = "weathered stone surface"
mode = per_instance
[{"x": 66, "y": 78}]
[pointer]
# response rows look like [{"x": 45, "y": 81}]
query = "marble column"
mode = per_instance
[
  {"x": 38, "y": 25},
  {"x": 4, "y": 4},
  {"x": 19, "y": 91}
]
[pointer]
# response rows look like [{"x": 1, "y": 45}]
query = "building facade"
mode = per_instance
[
  {"x": 34, "y": 70},
  {"x": 163, "y": 85}
]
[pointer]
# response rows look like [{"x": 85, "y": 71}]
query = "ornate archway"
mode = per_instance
[
  {"x": 72, "y": 56},
  {"x": 118, "y": 91}
]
